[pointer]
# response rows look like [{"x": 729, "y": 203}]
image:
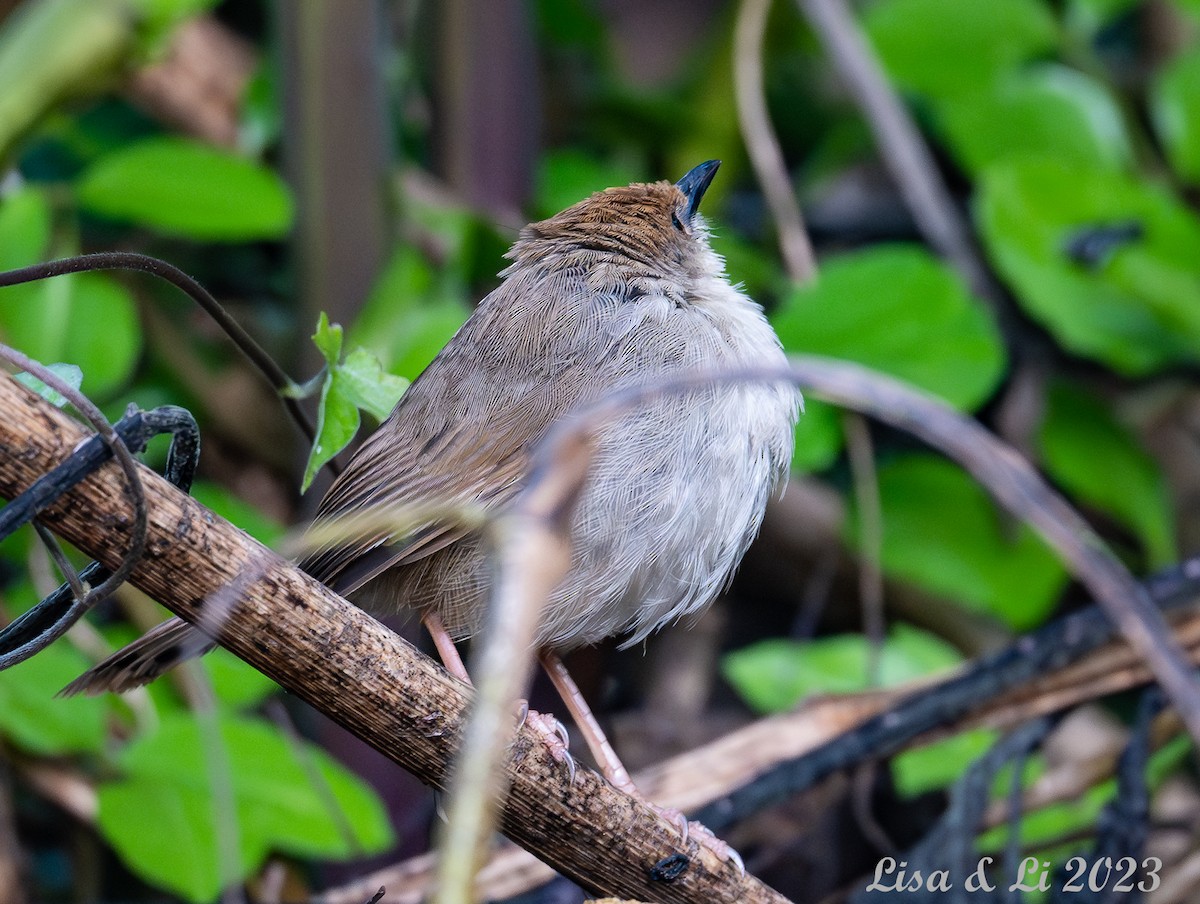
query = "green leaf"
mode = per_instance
[
  {"x": 357, "y": 383},
  {"x": 1048, "y": 111},
  {"x": 1097, "y": 460},
  {"x": 898, "y": 310},
  {"x": 87, "y": 319},
  {"x": 942, "y": 532},
  {"x": 409, "y": 316},
  {"x": 947, "y": 47},
  {"x": 1134, "y": 306},
  {"x": 68, "y": 372},
  {"x": 1175, "y": 106},
  {"x": 774, "y": 675},
  {"x": 328, "y": 340},
  {"x": 179, "y": 853},
  {"x": 276, "y": 805},
  {"x": 158, "y": 18},
  {"x": 337, "y": 423},
  {"x": 363, "y": 381},
  {"x": 33, "y": 718},
  {"x": 941, "y": 763},
  {"x": 24, "y": 229},
  {"x": 187, "y": 189}
]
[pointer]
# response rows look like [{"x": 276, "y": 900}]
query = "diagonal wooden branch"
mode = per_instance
[
  {"x": 698, "y": 777},
  {"x": 350, "y": 667}
]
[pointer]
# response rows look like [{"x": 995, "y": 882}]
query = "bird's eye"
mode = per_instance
[{"x": 678, "y": 222}]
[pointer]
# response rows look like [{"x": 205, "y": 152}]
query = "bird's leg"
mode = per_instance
[
  {"x": 554, "y": 734},
  {"x": 610, "y": 764},
  {"x": 444, "y": 643}
]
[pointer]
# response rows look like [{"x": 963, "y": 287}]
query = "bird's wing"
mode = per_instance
[{"x": 461, "y": 435}]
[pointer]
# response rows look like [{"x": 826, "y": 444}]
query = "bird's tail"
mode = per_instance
[{"x": 155, "y": 653}]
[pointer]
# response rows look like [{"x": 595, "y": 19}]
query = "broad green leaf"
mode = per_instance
[
  {"x": 34, "y": 719},
  {"x": 1191, "y": 7},
  {"x": 1175, "y": 105},
  {"x": 337, "y": 423},
  {"x": 24, "y": 228},
  {"x": 942, "y": 532},
  {"x": 898, "y": 310},
  {"x": 86, "y": 319},
  {"x": 362, "y": 379},
  {"x": 179, "y": 853},
  {"x": 775, "y": 675},
  {"x": 408, "y": 317},
  {"x": 939, "y": 764},
  {"x": 1134, "y": 304},
  {"x": 1048, "y": 111},
  {"x": 68, "y": 372},
  {"x": 1098, "y": 461},
  {"x": 184, "y": 188},
  {"x": 359, "y": 382},
  {"x": 947, "y": 47},
  {"x": 276, "y": 806}
]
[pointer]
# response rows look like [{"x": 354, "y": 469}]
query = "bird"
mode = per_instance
[{"x": 620, "y": 290}]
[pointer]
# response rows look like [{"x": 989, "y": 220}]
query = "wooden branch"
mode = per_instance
[
  {"x": 350, "y": 667},
  {"x": 698, "y": 777}
]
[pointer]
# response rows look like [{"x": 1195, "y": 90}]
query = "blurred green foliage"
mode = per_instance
[{"x": 1080, "y": 168}]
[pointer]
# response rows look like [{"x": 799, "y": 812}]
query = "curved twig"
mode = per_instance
[
  {"x": 761, "y": 144},
  {"x": 997, "y": 466},
  {"x": 143, "y": 263},
  {"x": 133, "y": 482}
]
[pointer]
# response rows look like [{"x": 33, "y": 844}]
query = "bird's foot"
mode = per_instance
[
  {"x": 553, "y": 734},
  {"x": 702, "y": 835}
]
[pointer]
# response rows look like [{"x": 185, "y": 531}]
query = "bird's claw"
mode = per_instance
[
  {"x": 554, "y": 736},
  {"x": 703, "y": 835}
]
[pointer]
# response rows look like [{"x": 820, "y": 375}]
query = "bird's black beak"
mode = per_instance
[{"x": 694, "y": 184}]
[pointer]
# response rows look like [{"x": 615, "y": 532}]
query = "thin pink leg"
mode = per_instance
[
  {"x": 612, "y": 767},
  {"x": 610, "y": 764},
  {"x": 445, "y": 646}
]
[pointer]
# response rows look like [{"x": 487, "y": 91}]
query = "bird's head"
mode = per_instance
[{"x": 651, "y": 225}]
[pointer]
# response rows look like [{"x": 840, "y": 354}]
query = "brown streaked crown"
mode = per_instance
[
  {"x": 641, "y": 222},
  {"x": 648, "y": 223}
]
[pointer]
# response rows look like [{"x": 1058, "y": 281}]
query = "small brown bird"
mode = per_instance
[{"x": 620, "y": 290}]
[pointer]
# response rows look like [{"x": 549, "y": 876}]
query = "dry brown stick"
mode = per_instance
[
  {"x": 350, "y": 667},
  {"x": 533, "y": 554},
  {"x": 761, "y": 144},
  {"x": 899, "y": 141}
]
